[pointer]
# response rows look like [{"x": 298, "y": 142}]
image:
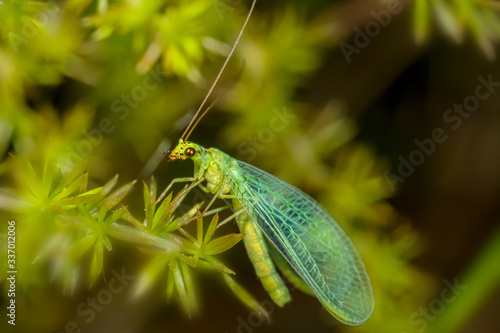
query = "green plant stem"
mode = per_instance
[
  {"x": 137, "y": 236},
  {"x": 481, "y": 280}
]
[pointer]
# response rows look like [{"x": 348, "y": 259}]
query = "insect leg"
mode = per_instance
[
  {"x": 216, "y": 195},
  {"x": 227, "y": 196},
  {"x": 175, "y": 180},
  {"x": 230, "y": 218},
  {"x": 182, "y": 194}
]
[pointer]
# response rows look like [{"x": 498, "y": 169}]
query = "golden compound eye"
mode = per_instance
[{"x": 190, "y": 152}]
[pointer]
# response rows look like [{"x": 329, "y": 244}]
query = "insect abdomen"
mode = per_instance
[{"x": 259, "y": 256}]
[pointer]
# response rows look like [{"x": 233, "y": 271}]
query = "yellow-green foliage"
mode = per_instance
[{"x": 90, "y": 89}]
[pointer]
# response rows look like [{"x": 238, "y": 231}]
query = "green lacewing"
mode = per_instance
[{"x": 304, "y": 233}]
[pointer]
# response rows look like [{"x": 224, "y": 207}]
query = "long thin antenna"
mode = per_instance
[
  {"x": 203, "y": 114},
  {"x": 212, "y": 105},
  {"x": 219, "y": 75}
]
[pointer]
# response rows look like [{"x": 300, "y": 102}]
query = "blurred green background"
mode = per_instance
[{"x": 387, "y": 112}]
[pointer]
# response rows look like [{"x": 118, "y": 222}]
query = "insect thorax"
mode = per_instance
[{"x": 213, "y": 172}]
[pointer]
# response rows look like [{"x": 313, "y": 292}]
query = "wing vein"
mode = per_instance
[{"x": 308, "y": 238}]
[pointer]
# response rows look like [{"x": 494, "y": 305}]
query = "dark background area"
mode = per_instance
[{"x": 353, "y": 122}]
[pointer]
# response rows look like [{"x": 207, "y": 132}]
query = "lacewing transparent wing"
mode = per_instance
[{"x": 308, "y": 237}]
